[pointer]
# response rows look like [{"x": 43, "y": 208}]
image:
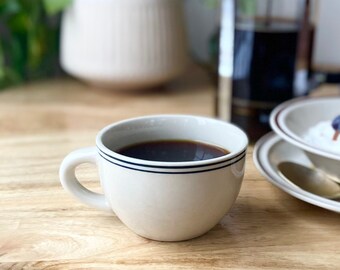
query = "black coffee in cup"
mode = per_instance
[{"x": 173, "y": 151}]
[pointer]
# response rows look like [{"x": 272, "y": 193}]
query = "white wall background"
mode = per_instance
[
  {"x": 202, "y": 21},
  {"x": 326, "y": 55}
]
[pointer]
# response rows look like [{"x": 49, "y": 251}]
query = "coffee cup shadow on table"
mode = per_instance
[{"x": 167, "y": 177}]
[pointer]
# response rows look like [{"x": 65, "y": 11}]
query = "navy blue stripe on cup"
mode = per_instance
[
  {"x": 177, "y": 172},
  {"x": 102, "y": 153}
]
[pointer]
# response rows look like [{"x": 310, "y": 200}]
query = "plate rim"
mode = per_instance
[{"x": 269, "y": 140}]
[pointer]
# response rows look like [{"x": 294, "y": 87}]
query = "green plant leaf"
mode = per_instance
[
  {"x": 18, "y": 22},
  {"x": 52, "y": 7},
  {"x": 2, "y": 63},
  {"x": 8, "y": 8},
  {"x": 8, "y": 75},
  {"x": 29, "y": 39}
]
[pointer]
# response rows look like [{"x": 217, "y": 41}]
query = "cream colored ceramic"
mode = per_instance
[
  {"x": 124, "y": 44},
  {"x": 293, "y": 118},
  {"x": 269, "y": 152},
  {"x": 166, "y": 201}
]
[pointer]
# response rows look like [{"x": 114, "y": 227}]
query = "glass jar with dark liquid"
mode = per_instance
[
  {"x": 265, "y": 52},
  {"x": 264, "y": 65}
]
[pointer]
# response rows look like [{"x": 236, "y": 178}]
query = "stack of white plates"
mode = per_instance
[{"x": 291, "y": 121}]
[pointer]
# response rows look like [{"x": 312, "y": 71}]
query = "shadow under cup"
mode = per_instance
[{"x": 171, "y": 201}]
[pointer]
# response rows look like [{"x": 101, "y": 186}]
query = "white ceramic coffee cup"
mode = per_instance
[{"x": 166, "y": 201}]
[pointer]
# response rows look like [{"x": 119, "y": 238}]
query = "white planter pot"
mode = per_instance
[{"x": 124, "y": 44}]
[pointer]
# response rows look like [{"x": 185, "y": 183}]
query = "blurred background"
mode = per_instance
[
  {"x": 29, "y": 40},
  {"x": 257, "y": 53}
]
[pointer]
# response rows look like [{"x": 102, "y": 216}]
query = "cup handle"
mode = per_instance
[{"x": 70, "y": 182}]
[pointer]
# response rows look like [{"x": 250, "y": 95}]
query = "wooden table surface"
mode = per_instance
[{"x": 43, "y": 227}]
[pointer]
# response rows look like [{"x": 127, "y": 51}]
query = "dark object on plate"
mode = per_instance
[{"x": 336, "y": 127}]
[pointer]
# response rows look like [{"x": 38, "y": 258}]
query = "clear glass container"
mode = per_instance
[{"x": 264, "y": 59}]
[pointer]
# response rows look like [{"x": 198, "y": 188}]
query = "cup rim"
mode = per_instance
[
  {"x": 277, "y": 123},
  {"x": 164, "y": 164}
]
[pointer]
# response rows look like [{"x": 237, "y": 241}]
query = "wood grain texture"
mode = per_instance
[{"x": 42, "y": 227}]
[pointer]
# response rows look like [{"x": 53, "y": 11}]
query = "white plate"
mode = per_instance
[{"x": 269, "y": 151}]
